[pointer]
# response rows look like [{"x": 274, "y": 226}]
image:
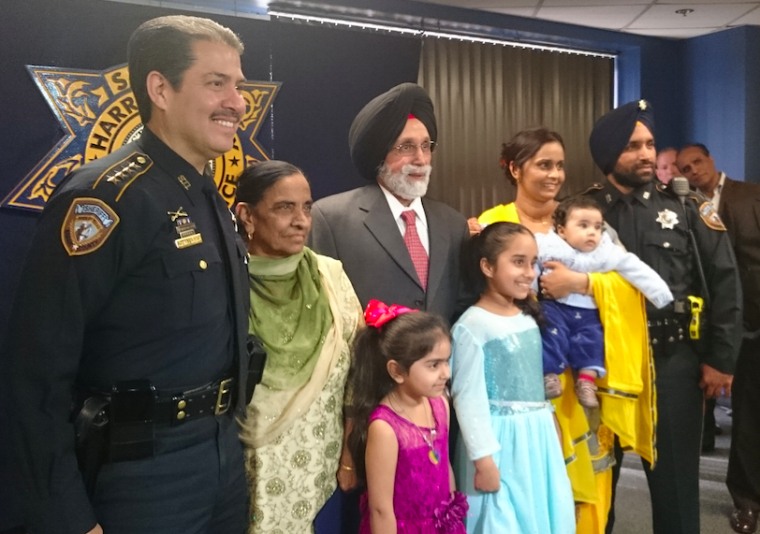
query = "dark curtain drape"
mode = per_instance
[{"x": 486, "y": 93}]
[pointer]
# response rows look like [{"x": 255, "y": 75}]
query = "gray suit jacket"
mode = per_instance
[{"x": 357, "y": 228}]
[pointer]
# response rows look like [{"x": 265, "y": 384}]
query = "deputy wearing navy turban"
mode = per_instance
[
  {"x": 612, "y": 132},
  {"x": 655, "y": 224}
]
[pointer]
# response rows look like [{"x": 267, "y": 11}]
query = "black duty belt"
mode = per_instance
[
  {"x": 212, "y": 399},
  {"x": 682, "y": 306},
  {"x": 668, "y": 329}
]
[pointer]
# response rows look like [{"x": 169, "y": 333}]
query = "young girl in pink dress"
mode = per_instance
[{"x": 399, "y": 441}]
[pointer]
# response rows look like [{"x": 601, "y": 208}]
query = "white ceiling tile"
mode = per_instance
[
  {"x": 593, "y": 3},
  {"x": 609, "y": 17},
  {"x": 753, "y": 17},
  {"x": 691, "y": 3},
  {"x": 672, "y": 33},
  {"x": 488, "y": 5},
  {"x": 704, "y": 16},
  {"x": 516, "y": 11}
]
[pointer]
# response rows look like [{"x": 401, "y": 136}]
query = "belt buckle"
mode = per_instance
[{"x": 223, "y": 397}]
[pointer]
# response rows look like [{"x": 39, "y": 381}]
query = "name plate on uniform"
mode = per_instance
[{"x": 189, "y": 241}]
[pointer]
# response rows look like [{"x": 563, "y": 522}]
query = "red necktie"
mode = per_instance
[{"x": 416, "y": 250}]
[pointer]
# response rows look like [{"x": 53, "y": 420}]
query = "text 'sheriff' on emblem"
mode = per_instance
[
  {"x": 710, "y": 216},
  {"x": 668, "y": 219},
  {"x": 87, "y": 225},
  {"x": 185, "y": 229},
  {"x": 98, "y": 114}
]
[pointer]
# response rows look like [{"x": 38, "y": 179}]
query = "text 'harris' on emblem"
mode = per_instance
[{"x": 98, "y": 114}]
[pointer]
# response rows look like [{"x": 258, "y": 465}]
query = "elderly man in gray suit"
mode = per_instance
[{"x": 395, "y": 245}]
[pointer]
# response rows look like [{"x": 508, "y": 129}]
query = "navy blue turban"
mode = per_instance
[{"x": 612, "y": 132}]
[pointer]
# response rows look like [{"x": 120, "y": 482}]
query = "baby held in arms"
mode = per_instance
[{"x": 573, "y": 335}]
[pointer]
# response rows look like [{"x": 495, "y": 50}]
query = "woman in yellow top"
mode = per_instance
[{"x": 533, "y": 160}]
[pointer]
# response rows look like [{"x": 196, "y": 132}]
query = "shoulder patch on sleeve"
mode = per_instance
[
  {"x": 87, "y": 225},
  {"x": 123, "y": 173},
  {"x": 710, "y": 217}
]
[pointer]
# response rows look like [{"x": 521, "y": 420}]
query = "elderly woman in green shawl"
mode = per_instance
[{"x": 305, "y": 311}]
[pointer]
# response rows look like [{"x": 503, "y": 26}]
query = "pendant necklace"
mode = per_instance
[{"x": 433, "y": 455}]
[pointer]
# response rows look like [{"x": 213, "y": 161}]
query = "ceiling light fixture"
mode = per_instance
[{"x": 391, "y": 27}]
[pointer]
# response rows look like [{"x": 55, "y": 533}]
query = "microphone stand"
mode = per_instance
[{"x": 680, "y": 187}]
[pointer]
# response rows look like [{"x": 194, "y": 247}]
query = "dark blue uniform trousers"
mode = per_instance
[{"x": 195, "y": 484}]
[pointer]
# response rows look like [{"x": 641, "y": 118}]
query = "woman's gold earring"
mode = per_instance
[{"x": 250, "y": 236}]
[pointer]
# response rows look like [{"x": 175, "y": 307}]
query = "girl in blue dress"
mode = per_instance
[{"x": 508, "y": 459}]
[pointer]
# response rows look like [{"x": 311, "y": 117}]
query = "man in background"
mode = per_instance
[{"x": 738, "y": 204}]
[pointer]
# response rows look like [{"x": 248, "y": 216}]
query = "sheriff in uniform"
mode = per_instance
[
  {"x": 133, "y": 298},
  {"x": 657, "y": 225}
]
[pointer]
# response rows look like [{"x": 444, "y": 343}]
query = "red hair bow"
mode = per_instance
[{"x": 378, "y": 313}]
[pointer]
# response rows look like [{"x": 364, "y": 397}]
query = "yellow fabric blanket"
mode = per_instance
[{"x": 627, "y": 392}]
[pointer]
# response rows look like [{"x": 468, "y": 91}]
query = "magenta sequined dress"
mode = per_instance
[{"x": 422, "y": 500}]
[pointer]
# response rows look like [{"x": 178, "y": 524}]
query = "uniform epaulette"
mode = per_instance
[
  {"x": 697, "y": 196},
  {"x": 593, "y": 188},
  {"x": 124, "y": 172},
  {"x": 691, "y": 195}
]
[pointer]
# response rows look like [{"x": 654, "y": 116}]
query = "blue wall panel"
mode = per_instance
[{"x": 715, "y": 95}]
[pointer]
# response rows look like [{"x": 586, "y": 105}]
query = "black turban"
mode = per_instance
[
  {"x": 379, "y": 123},
  {"x": 613, "y": 131}
]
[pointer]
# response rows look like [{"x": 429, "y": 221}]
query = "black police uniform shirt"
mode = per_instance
[
  {"x": 657, "y": 232},
  {"x": 127, "y": 278}
]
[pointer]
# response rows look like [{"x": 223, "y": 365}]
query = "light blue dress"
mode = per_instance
[{"x": 498, "y": 391}]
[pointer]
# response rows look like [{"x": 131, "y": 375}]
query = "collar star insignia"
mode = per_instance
[
  {"x": 668, "y": 219},
  {"x": 97, "y": 111},
  {"x": 643, "y": 104}
]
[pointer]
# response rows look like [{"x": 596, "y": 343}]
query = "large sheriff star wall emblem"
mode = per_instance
[{"x": 98, "y": 114}]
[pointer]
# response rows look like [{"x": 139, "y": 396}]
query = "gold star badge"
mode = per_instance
[{"x": 98, "y": 114}]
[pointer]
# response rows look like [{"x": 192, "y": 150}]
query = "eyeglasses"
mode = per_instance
[{"x": 408, "y": 149}]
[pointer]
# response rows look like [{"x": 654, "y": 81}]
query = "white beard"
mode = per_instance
[{"x": 401, "y": 185}]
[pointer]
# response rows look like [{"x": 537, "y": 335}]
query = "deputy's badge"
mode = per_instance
[
  {"x": 87, "y": 225},
  {"x": 668, "y": 219},
  {"x": 185, "y": 229},
  {"x": 710, "y": 216}
]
